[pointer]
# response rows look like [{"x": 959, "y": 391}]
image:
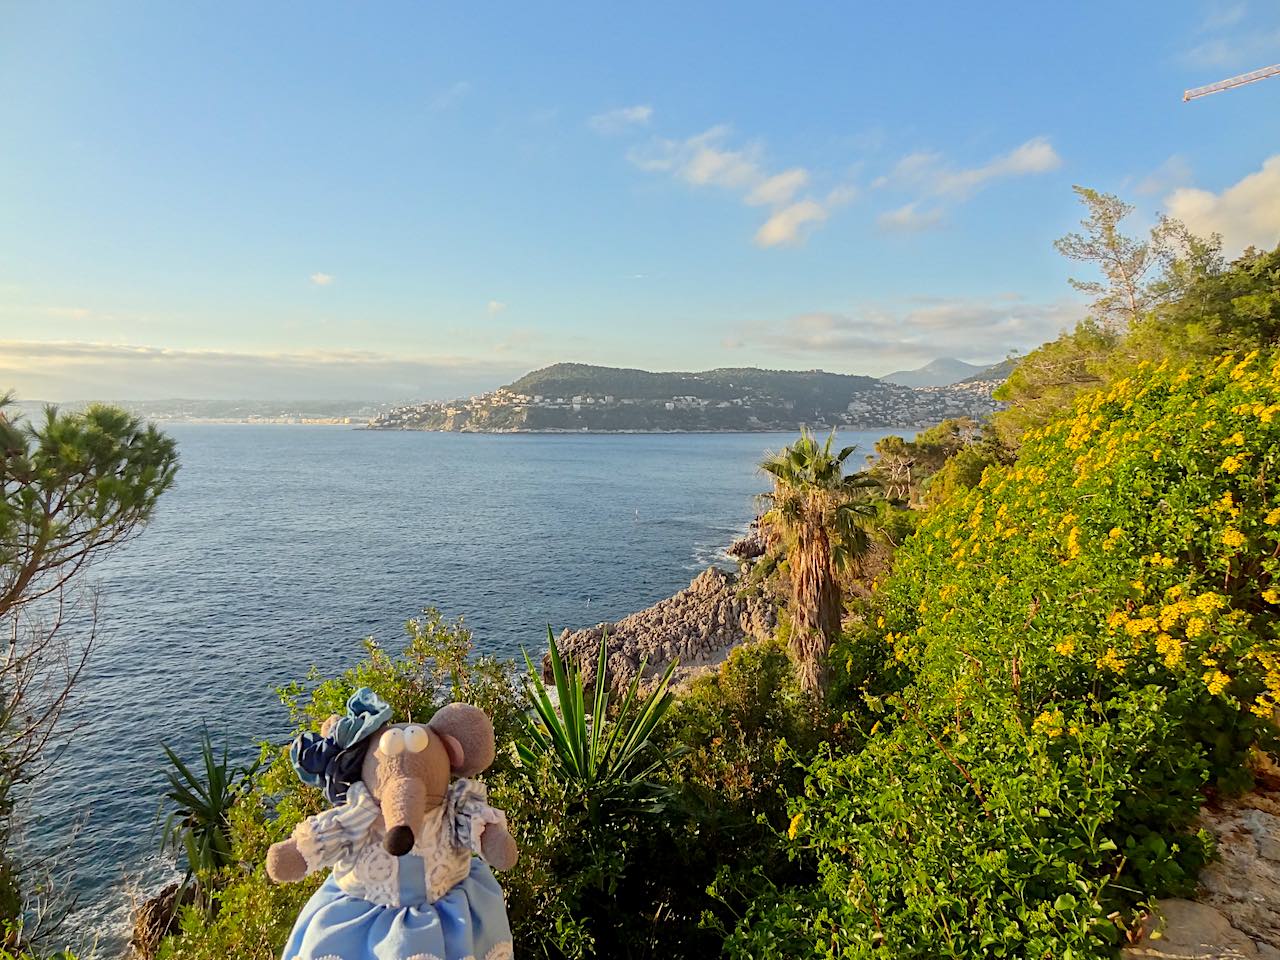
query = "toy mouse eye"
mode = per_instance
[
  {"x": 416, "y": 739},
  {"x": 392, "y": 742}
]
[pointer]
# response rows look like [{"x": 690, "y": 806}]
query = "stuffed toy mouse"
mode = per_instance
[{"x": 410, "y": 852}]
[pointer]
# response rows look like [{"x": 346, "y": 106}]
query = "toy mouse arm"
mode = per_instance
[
  {"x": 321, "y": 841},
  {"x": 498, "y": 847}
]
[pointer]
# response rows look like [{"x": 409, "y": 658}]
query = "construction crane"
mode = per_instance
[{"x": 1239, "y": 81}]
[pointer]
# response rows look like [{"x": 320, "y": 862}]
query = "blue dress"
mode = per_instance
[{"x": 437, "y": 902}]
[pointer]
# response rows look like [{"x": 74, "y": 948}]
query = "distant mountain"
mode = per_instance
[
  {"x": 938, "y": 373},
  {"x": 997, "y": 371},
  {"x": 579, "y": 397}
]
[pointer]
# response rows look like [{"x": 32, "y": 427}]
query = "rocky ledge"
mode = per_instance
[
  {"x": 1237, "y": 912},
  {"x": 698, "y": 627}
]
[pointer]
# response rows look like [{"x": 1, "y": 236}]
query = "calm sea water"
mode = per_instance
[{"x": 281, "y": 547}]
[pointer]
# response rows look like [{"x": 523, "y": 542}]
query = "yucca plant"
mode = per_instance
[
  {"x": 609, "y": 763},
  {"x": 200, "y": 827}
]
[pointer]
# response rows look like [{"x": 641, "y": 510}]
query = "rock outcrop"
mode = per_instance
[
  {"x": 1237, "y": 913},
  {"x": 697, "y": 626},
  {"x": 751, "y": 546}
]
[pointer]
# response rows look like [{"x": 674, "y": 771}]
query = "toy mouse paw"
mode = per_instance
[
  {"x": 498, "y": 847},
  {"x": 285, "y": 864}
]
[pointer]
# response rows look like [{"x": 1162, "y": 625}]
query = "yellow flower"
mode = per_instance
[
  {"x": 1216, "y": 681},
  {"x": 1209, "y": 602},
  {"x": 1068, "y": 646},
  {"x": 1232, "y": 537},
  {"x": 795, "y": 826},
  {"x": 1237, "y": 438},
  {"x": 1170, "y": 649},
  {"x": 1232, "y": 464},
  {"x": 1049, "y": 723},
  {"x": 1273, "y": 517},
  {"x": 1271, "y": 595},
  {"x": 1195, "y": 627},
  {"x": 1111, "y": 661}
]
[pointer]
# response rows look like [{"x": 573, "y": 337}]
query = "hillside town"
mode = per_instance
[{"x": 880, "y": 404}]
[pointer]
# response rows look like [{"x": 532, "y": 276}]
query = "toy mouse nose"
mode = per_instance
[{"x": 399, "y": 841}]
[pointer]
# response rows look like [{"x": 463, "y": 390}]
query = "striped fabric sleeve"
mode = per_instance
[{"x": 333, "y": 835}]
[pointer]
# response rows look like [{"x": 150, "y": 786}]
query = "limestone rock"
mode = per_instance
[
  {"x": 1237, "y": 913},
  {"x": 1188, "y": 930},
  {"x": 697, "y": 626}
]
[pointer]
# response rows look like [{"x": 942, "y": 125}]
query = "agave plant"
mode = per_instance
[
  {"x": 200, "y": 827},
  {"x": 609, "y": 763}
]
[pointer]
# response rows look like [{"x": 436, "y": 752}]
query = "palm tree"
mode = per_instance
[{"x": 815, "y": 521}]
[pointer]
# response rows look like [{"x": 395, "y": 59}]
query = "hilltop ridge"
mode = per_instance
[{"x": 577, "y": 397}]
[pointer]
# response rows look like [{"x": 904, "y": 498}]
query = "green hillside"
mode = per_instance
[{"x": 725, "y": 383}]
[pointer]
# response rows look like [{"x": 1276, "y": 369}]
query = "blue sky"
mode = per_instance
[{"x": 396, "y": 200}]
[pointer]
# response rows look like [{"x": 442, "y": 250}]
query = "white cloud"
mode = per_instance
[
  {"x": 783, "y": 228},
  {"x": 495, "y": 307},
  {"x": 322, "y": 279},
  {"x": 1245, "y": 213},
  {"x": 779, "y": 188},
  {"x": 904, "y": 333},
  {"x": 81, "y": 370},
  {"x": 909, "y": 218},
  {"x": 1174, "y": 172},
  {"x": 623, "y": 118},
  {"x": 706, "y": 160}
]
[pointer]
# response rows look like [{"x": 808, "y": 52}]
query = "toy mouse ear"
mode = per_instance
[
  {"x": 326, "y": 728},
  {"x": 467, "y": 736}
]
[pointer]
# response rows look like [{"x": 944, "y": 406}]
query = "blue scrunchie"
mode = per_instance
[{"x": 333, "y": 763}]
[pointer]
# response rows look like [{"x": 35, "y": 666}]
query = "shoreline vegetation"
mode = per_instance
[{"x": 1018, "y": 698}]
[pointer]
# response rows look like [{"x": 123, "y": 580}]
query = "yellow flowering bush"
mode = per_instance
[
  {"x": 1074, "y": 650},
  {"x": 1143, "y": 551}
]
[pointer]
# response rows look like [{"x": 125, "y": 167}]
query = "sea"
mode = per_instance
[{"x": 281, "y": 547}]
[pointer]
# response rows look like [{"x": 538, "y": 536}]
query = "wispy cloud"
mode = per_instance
[
  {"x": 321, "y": 279},
  {"x": 910, "y": 218},
  {"x": 1245, "y": 213},
  {"x": 621, "y": 119},
  {"x": 495, "y": 307},
  {"x": 1174, "y": 172},
  {"x": 451, "y": 96},
  {"x": 80, "y": 370},
  {"x": 1221, "y": 15},
  {"x": 1231, "y": 38},
  {"x": 932, "y": 175},
  {"x": 68, "y": 313},
  {"x": 891, "y": 335},
  {"x": 708, "y": 159}
]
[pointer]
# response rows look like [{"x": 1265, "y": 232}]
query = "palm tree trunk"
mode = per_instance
[{"x": 815, "y": 609}]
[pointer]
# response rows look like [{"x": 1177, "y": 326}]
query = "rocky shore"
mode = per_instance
[{"x": 697, "y": 626}]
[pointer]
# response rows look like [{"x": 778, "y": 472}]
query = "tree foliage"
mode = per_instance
[
  {"x": 72, "y": 487},
  {"x": 1139, "y": 274}
]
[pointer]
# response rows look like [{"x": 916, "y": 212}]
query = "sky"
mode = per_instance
[{"x": 420, "y": 200}]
